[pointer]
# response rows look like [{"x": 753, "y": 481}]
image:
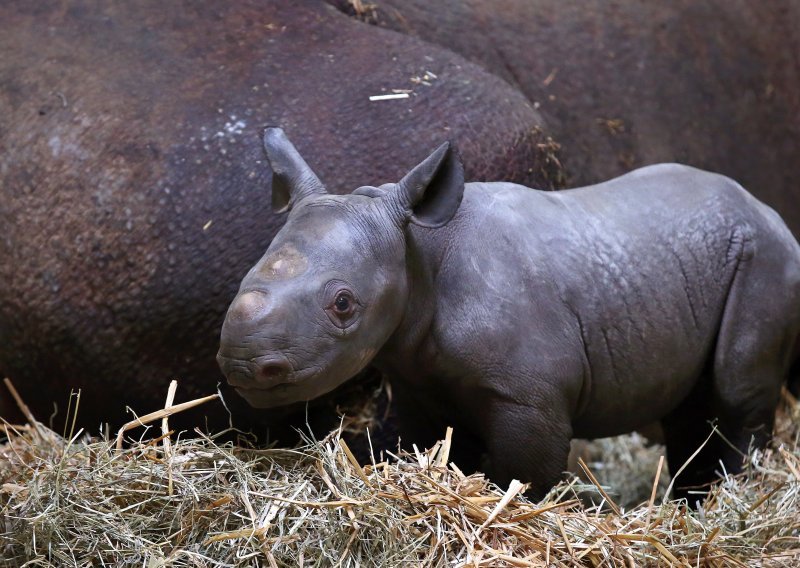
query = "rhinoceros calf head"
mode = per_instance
[{"x": 333, "y": 285}]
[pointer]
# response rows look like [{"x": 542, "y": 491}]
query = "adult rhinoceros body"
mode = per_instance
[
  {"x": 711, "y": 83},
  {"x": 526, "y": 317},
  {"x": 130, "y": 171}
]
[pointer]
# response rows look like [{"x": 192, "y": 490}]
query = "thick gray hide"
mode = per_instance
[{"x": 524, "y": 317}]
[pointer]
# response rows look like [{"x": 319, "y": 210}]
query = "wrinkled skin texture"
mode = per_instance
[
  {"x": 530, "y": 317},
  {"x": 132, "y": 179},
  {"x": 624, "y": 83}
]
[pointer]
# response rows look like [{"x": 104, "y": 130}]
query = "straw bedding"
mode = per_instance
[{"x": 187, "y": 500}]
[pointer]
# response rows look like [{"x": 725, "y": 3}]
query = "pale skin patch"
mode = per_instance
[
  {"x": 285, "y": 263},
  {"x": 247, "y": 306}
]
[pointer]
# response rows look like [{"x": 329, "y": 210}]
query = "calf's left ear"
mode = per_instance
[{"x": 430, "y": 194}]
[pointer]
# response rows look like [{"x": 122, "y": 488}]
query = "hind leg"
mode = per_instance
[
  {"x": 686, "y": 429},
  {"x": 755, "y": 345},
  {"x": 745, "y": 400}
]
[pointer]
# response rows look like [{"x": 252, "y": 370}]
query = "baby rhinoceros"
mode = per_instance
[{"x": 526, "y": 317}]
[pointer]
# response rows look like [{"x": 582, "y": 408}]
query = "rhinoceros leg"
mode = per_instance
[
  {"x": 755, "y": 344},
  {"x": 746, "y": 391},
  {"x": 528, "y": 443},
  {"x": 754, "y": 349},
  {"x": 686, "y": 431}
]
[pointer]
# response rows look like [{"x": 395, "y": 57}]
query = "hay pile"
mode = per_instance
[{"x": 181, "y": 501}]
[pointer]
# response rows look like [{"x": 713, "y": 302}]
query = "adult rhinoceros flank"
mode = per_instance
[
  {"x": 524, "y": 317},
  {"x": 711, "y": 83},
  {"x": 130, "y": 173}
]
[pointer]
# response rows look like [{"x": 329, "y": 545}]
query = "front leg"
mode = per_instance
[{"x": 528, "y": 442}]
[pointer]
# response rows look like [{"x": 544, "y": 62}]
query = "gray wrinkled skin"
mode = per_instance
[{"x": 524, "y": 317}]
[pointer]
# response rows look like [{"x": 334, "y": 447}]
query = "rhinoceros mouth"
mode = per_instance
[
  {"x": 303, "y": 387},
  {"x": 282, "y": 387},
  {"x": 293, "y": 381},
  {"x": 269, "y": 397}
]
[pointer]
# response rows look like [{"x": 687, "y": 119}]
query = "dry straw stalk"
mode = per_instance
[{"x": 196, "y": 502}]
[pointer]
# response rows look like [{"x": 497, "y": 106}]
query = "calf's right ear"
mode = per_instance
[
  {"x": 292, "y": 178},
  {"x": 430, "y": 194}
]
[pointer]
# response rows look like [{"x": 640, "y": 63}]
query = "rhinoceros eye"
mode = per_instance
[{"x": 343, "y": 303}]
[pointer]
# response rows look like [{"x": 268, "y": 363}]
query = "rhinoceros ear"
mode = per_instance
[
  {"x": 431, "y": 193},
  {"x": 292, "y": 178}
]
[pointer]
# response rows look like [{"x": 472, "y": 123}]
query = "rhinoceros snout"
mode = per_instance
[
  {"x": 272, "y": 371},
  {"x": 260, "y": 373}
]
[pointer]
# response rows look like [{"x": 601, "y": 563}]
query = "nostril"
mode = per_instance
[{"x": 274, "y": 372}]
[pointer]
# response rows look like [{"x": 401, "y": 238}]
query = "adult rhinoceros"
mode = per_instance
[
  {"x": 710, "y": 83},
  {"x": 131, "y": 174}
]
